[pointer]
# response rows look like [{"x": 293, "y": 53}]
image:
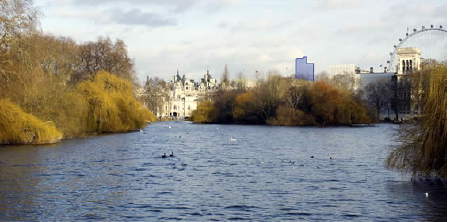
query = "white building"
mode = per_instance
[
  {"x": 342, "y": 69},
  {"x": 347, "y": 70},
  {"x": 408, "y": 60},
  {"x": 185, "y": 94}
]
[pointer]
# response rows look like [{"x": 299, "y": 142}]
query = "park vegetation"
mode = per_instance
[
  {"x": 53, "y": 88},
  {"x": 422, "y": 148},
  {"x": 284, "y": 101}
]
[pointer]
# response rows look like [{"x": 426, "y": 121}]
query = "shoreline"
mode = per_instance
[{"x": 76, "y": 137}]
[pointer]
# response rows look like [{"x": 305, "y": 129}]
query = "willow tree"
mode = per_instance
[{"x": 423, "y": 142}]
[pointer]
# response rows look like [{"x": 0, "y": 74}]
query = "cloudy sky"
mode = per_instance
[{"x": 248, "y": 35}]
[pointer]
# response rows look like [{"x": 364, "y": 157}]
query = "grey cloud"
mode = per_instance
[{"x": 138, "y": 17}]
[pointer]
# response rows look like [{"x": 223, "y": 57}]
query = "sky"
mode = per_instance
[{"x": 246, "y": 35}]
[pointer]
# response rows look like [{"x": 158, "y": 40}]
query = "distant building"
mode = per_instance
[
  {"x": 349, "y": 70},
  {"x": 303, "y": 69},
  {"x": 342, "y": 69},
  {"x": 403, "y": 104},
  {"x": 185, "y": 94},
  {"x": 408, "y": 60}
]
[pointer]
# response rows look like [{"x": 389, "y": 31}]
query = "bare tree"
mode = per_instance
[
  {"x": 104, "y": 55},
  {"x": 379, "y": 95},
  {"x": 156, "y": 94}
]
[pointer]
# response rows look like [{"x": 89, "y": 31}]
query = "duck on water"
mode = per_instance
[{"x": 165, "y": 155}]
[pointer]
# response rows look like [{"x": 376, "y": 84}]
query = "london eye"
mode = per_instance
[{"x": 431, "y": 40}]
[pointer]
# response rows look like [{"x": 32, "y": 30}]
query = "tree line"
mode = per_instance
[
  {"x": 284, "y": 101},
  {"x": 57, "y": 88}
]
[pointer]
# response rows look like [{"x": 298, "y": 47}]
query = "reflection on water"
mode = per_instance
[{"x": 219, "y": 172}]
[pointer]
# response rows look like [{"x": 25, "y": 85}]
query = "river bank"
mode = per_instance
[{"x": 105, "y": 104}]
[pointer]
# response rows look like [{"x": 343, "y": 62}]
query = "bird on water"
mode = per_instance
[
  {"x": 164, "y": 155},
  {"x": 171, "y": 154}
]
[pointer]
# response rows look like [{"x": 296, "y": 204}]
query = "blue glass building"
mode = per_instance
[{"x": 303, "y": 69}]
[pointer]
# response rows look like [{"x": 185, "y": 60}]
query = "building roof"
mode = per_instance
[{"x": 367, "y": 78}]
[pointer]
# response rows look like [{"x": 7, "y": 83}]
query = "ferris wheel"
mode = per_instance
[{"x": 411, "y": 35}]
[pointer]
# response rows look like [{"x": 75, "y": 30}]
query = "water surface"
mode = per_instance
[{"x": 219, "y": 173}]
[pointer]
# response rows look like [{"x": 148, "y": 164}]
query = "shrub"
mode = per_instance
[
  {"x": 18, "y": 127},
  {"x": 284, "y": 101},
  {"x": 205, "y": 113},
  {"x": 244, "y": 110},
  {"x": 111, "y": 105},
  {"x": 287, "y": 116}
]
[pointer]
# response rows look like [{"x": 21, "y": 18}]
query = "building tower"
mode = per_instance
[
  {"x": 303, "y": 69},
  {"x": 408, "y": 60}
]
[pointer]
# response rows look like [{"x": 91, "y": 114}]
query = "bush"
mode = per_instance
[
  {"x": 205, "y": 113},
  {"x": 284, "y": 101},
  {"x": 292, "y": 117},
  {"x": 18, "y": 127},
  {"x": 111, "y": 105}
]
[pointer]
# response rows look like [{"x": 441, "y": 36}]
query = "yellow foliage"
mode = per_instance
[
  {"x": 18, "y": 127},
  {"x": 283, "y": 101},
  {"x": 243, "y": 104},
  {"x": 70, "y": 114},
  {"x": 112, "y": 106},
  {"x": 332, "y": 106},
  {"x": 205, "y": 113},
  {"x": 292, "y": 117},
  {"x": 113, "y": 83}
]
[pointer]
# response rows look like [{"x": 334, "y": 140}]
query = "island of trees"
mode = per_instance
[
  {"x": 53, "y": 88},
  {"x": 284, "y": 101}
]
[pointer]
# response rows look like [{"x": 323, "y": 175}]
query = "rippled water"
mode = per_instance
[{"x": 220, "y": 172}]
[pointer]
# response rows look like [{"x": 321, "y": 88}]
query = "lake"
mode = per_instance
[{"x": 219, "y": 173}]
